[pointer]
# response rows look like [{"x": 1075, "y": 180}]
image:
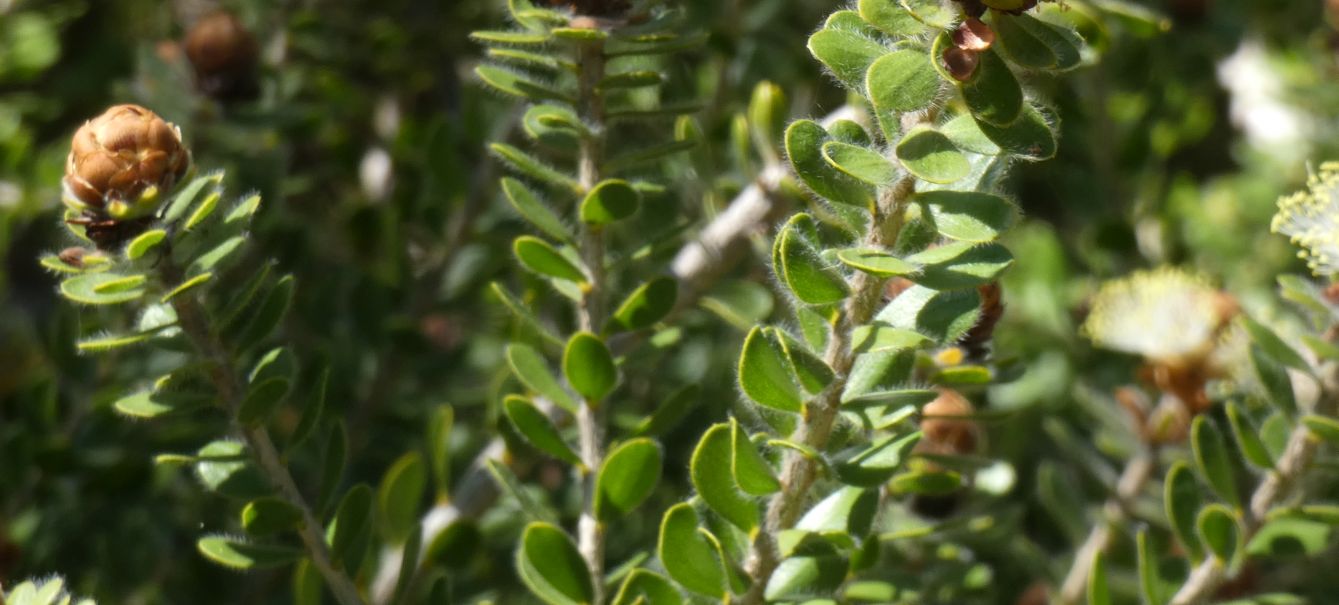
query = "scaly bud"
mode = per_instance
[
  {"x": 973, "y": 34},
  {"x": 122, "y": 161},
  {"x": 960, "y": 63},
  {"x": 224, "y": 56}
]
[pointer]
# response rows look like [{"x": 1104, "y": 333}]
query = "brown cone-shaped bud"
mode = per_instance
[
  {"x": 947, "y": 425},
  {"x": 973, "y": 34},
  {"x": 959, "y": 63},
  {"x": 121, "y": 154},
  {"x": 224, "y": 55}
]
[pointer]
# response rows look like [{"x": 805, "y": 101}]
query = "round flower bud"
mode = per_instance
[
  {"x": 947, "y": 426},
  {"x": 960, "y": 63},
  {"x": 121, "y": 161},
  {"x": 224, "y": 56}
]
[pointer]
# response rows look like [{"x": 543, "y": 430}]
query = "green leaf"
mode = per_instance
[
  {"x": 521, "y": 312},
  {"x": 578, "y": 34},
  {"x": 797, "y": 264},
  {"x": 1030, "y": 137},
  {"x": 510, "y": 485},
  {"x": 813, "y": 373},
  {"x": 239, "y": 554},
  {"x": 187, "y": 286},
  {"x": 269, "y": 516},
  {"x": 961, "y": 265},
  {"x": 800, "y": 578},
  {"x": 848, "y": 54},
  {"x": 1213, "y": 460},
  {"x": 1099, "y": 593},
  {"x": 312, "y": 411},
  {"x": 902, "y": 81},
  {"x": 646, "y": 305},
  {"x": 409, "y": 558},
  {"x": 968, "y": 135},
  {"x": 510, "y": 38},
  {"x": 765, "y": 374},
  {"x": 859, "y": 162},
  {"x": 269, "y": 313},
  {"x": 943, "y": 316},
  {"x": 107, "y": 288},
  {"x": 537, "y": 429},
  {"x": 894, "y": 399},
  {"x": 517, "y": 84},
  {"x": 928, "y": 154},
  {"x": 647, "y": 588},
  {"x": 1154, "y": 586},
  {"x": 880, "y": 336},
  {"x": 688, "y": 555},
  {"x": 875, "y": 262},
  {"x": 218, "y": 257},
  {"x": 926, "y": 483},
  {"x": 400, "y": 496},
  {"x": 849, "y": 510},
  {"x": 1274, "y": 378},
  {"x": 262, "y": 400},
  {"x": 752, "y": 473},
  {"x": 439, "y": 447},
  {"x": 589, "y": 367},
  {"x": 1219, "y": 531},
  {"x": 669, "y": 413},
  {"x": 804, "y": 147},
  {"x": 1290, "y": 537},
  {"x": 225, "y": 467},
  {"x": 144, "y": 242},
  {"x": 711, "y": 471},
  {"x": 332, "y": 464},
  {"x": 530, "y": 368},
  {"x": 930, "y": 12},
  {"x": 993, "y": 94},
  {"x": 350, "y": 532},
  {"x": 1035, "y": 44},
  {"x": 527, "y": 204},
  {"x": 890, "y": 17},
  {"x": 610, "y": 201},
  {"x": 552, "y": 568},
  {"x": 1182, "y": 496},
  {"x": 184, "y": 200},
  {"x": 630, "y": 79},
  {"x": 528, "y": 165},
  {"x": 968, "y": 216},
  {"x": 1323, "y": 427},
  {"x": 876, "y": 463},
  {"x": 538, "y": 256},
  {"x": 1272, "y": 345},
  {"x": 1248, "y": 437},
  {"x": 629, "y": 475},
  {"x": 204, "y": 210}
]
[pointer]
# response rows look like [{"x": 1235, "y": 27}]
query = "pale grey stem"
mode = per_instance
[
  {"x": 1114, "y": 513},
  {"x": 799, "y": 471},
  {"x": 225, "y": 378},
  {"x": 1207, "y": 577}
]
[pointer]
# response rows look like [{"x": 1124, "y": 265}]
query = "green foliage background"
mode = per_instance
[{"x": 393, "y": 293}]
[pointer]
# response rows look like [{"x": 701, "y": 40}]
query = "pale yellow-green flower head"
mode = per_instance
[
  {"x": 1165, "y": 314},
  {"x": 1311, "y": 219}
]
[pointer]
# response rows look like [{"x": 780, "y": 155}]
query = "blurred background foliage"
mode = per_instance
[{"x": 367, "y": 140}]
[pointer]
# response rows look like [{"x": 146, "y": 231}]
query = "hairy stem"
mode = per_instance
[
  {"x": 225, "y": 378},
  {"x": 1115, "y": 512},
  {"x": 590, "y": 417},
  {"x": 1207, "y": 577},
  {"x": 800, "y": 471}
]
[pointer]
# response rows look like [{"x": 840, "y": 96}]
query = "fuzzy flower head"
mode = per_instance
[
  {"x": 1311, "y": 219},
  {"x": 1165, "y": 315}
]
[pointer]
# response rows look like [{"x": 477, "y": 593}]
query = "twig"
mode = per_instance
[
  {"x": 225, "y": 378},
  {"x": 590, "y": 416},
  {"x": 799, "y": 471},
  {"x": 1115, "y": 511},
  {"x": 1207, "y": 577}
]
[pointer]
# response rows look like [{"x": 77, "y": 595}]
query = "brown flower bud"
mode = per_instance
[
  {"x": 121, "y": 161},
  {"x": 977, "y": 340},
  {"x": 973, "y": 34},
  {"x": 960, "y": 63},
  {"x": 947, "y": 425},
  {"x": 224, "y": 55},
  {"x": 594, "y": 8}
]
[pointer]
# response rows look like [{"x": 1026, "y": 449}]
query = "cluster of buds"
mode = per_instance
[
  {"x": 121, "y": 164},
  {"x": 224, "y": 56},
  {"x": 1175, "y": 321},
  {"x": 972, "y": 37}
]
